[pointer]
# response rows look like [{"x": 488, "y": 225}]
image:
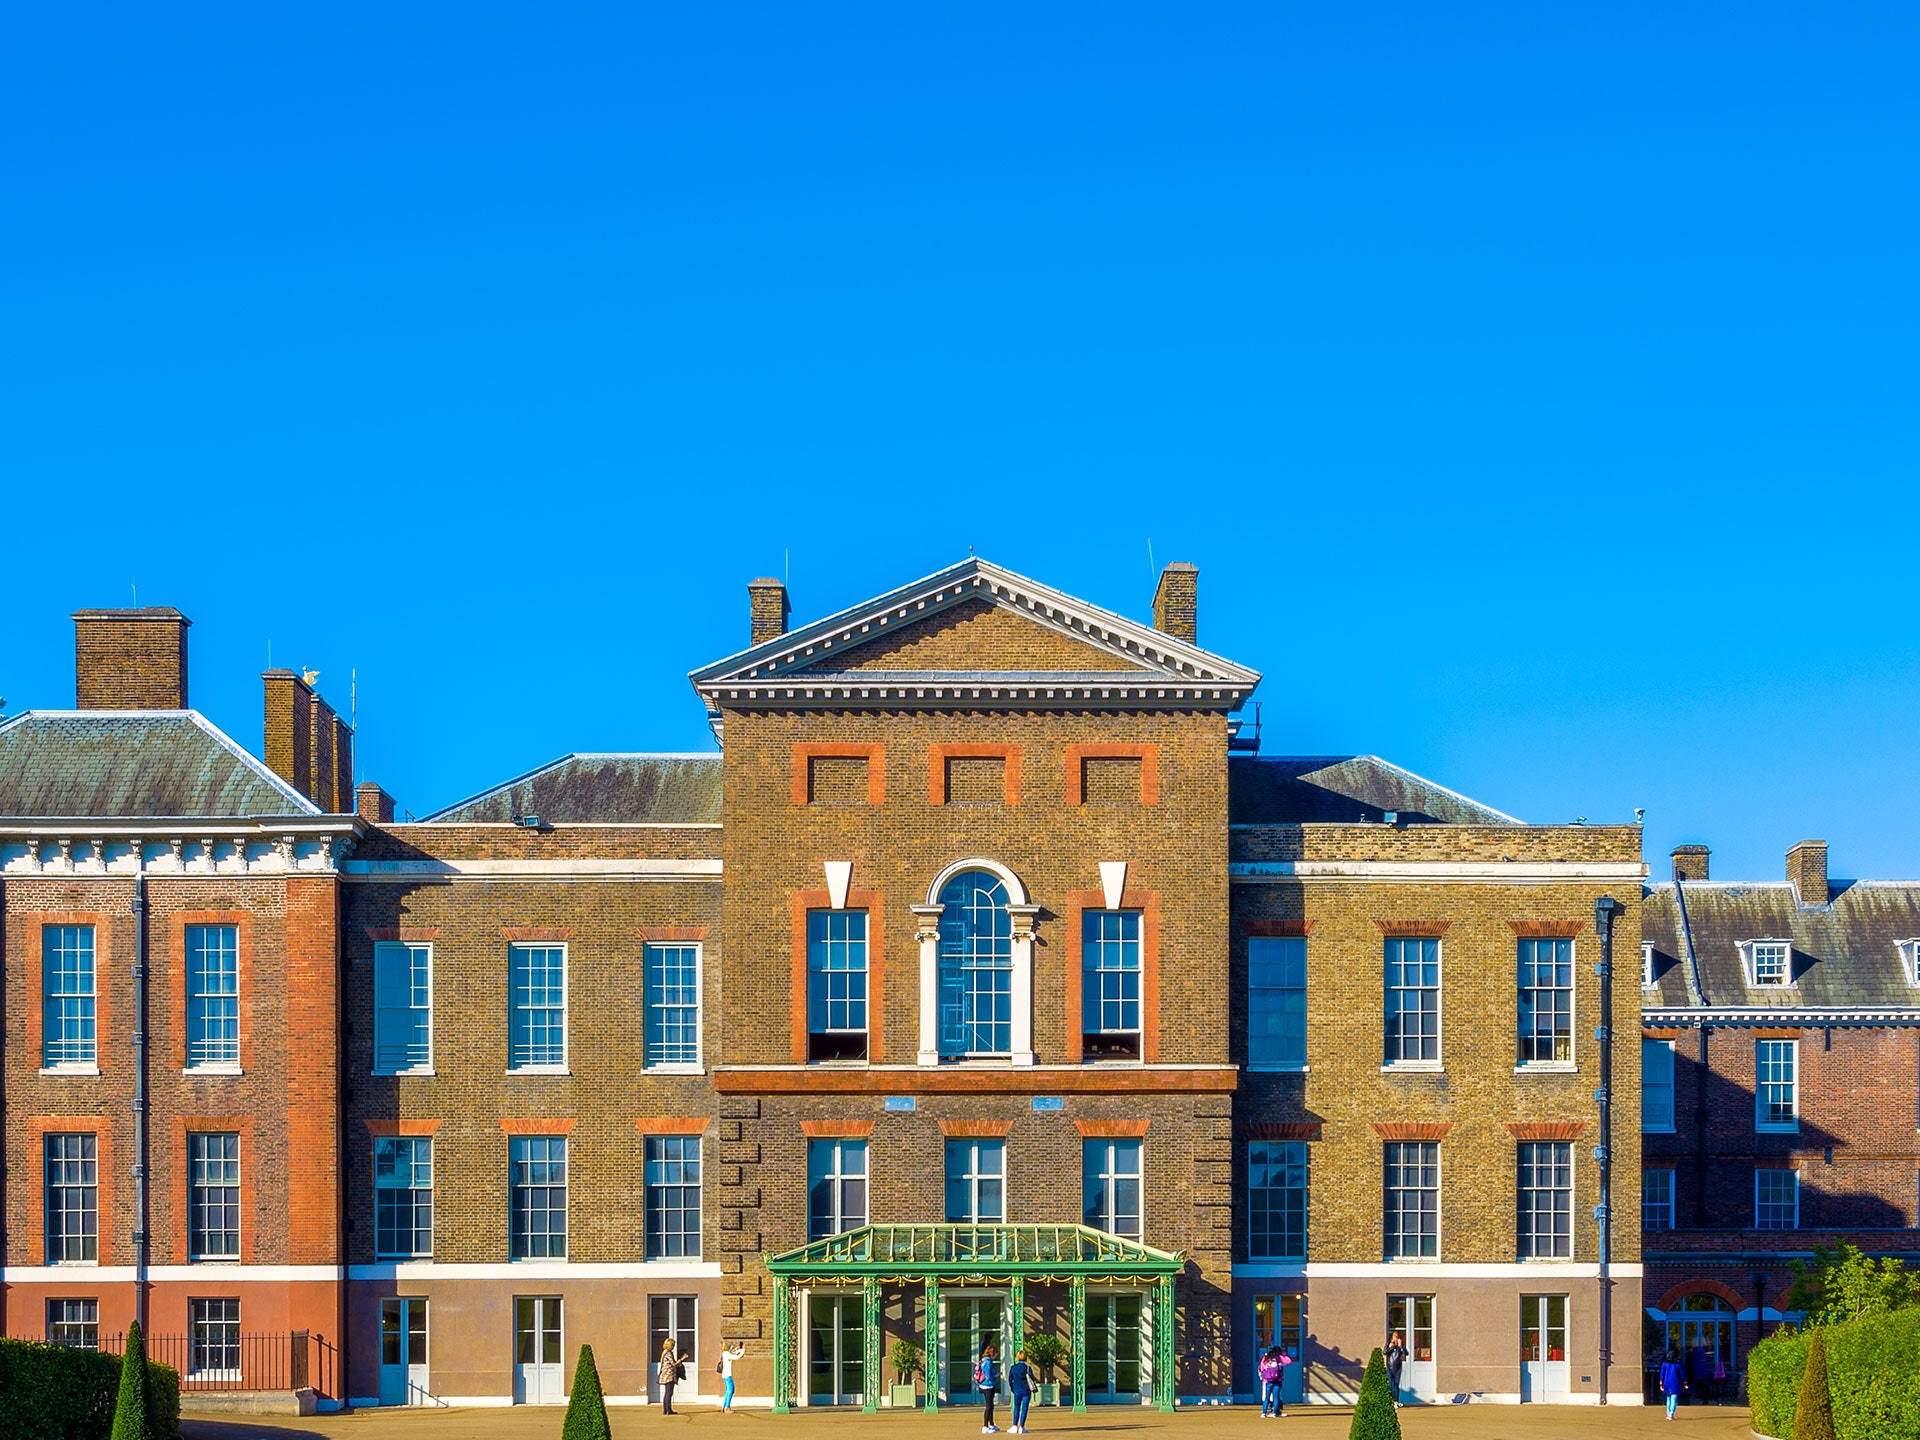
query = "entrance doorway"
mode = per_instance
[
  {"x": 1282, "y": 1320},
  {"x": 1543, "y": 1348},
  {"x": 403, "y": 1352},
  {"x": 836, "y": 1349},
  {"x": 536, "y": 1351},
  {"x": 1700, "y": 1330},
  {"x": 971, "y": 1321},
  {"x": 670, "y": 1317},
  {"x": 1114, "y": 1371},
  {"x": 1412, "y": 1316}
]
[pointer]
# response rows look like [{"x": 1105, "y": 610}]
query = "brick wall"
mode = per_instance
[{"x": 130, "y": 659}]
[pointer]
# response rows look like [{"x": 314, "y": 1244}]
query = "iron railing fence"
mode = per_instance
[{"x": 290, "y": 1360}]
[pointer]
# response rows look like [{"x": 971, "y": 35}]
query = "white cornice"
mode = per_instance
[
  {"x": 1514, "y": 872},
  {"x": 119, "y": 850},
  {"x": 572, "y": 869},
  {"x": 1741, "y": 1015}
]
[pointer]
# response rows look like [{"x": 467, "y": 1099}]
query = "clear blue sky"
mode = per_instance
[{"x": 1533, "y": 385}]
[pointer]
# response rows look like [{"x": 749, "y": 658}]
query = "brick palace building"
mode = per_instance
[{"x": 986, "y": 979}]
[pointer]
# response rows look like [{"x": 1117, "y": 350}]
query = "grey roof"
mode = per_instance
[
  {"x": 131, "y": 765},
  {"x": 601, "y": 790},
  {"x": 1845, "y": 952},
  {"x": 1343, "y": 789}
]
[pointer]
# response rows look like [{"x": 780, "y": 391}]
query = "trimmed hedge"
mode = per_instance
[
  {"x": 1871, "y": 1376},
  {"x": 54, "y": 1392}
]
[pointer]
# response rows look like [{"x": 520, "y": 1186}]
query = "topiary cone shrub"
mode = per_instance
[
  {"x": 586, "y": 1406},
  {"x": 131, "y": 1420},
  {"x": 1813, "y": 1418},
  {"x": 1375, "y": 1417}
]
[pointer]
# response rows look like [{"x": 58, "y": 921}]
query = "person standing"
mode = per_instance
[
  {"x": 667, "y": 1374},
  {"x": 1396, "y": 1357},
  {"x": 727, "y": 1357},
  {"x": 986, "y": 1379},
  {"x": 1020, "y": 1382},
  {"x": 1673, "y": 1379},
  {"x": 1270, "y": 1382}
]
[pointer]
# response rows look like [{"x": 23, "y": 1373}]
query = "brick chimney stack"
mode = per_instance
[
  {"x": 306, "y": 744},
  {"x": 1176, "y": 602},
  {"x": 370, "y": 802},
  {"x": 1690, "y": 862},
  {"x": 766, "y": 610},
  {"x": 130, "y": 659},
  {"x": 1807, "y": 869}
]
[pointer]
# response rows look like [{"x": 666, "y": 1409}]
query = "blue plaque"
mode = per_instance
[
  {"x": 899, "y": 1102},
  {"x": 1049, "y": 1102}
]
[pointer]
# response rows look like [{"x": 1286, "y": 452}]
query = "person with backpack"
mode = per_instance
[
  {"x": 1020, "y": 1382},
  {"x": 725, "y": 1371},
  {"x": 1272, "y": 1366},
  {"x": 986, "y": 1379}
]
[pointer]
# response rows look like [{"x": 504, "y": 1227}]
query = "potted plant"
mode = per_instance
[
  {"x": 1044, "y": 1351},
  {"x": 907, "y": 1358}
]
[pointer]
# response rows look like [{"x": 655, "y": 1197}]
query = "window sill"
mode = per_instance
[
  {"x": 513, "y": 1070},
  {"x": 74, "y": 1264},
  {"x": 1547, "y": 1067},
  {"x": 83, "y": 1070},
  {"x": 417, "y": 1073},
  {"x": 219, "y": 1069},
  {"x": 1281, "y": 1069},
  {"x": 675, "y": 1069},
  {"x": 1776, "y": 1129},
  {"x": 1414, "y": 1067},
  {"x": 214, "y": 1260},
  {"x": 219, "y": 1376},
  {"x": 1657, "y": 1130},
  {"x": 401, "y": 1259}
]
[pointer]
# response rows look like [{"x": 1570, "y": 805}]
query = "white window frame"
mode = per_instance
[
  {"x": 192, "y": 1337},
  {"x": 696, "y": 1065},
  {"x": 566, "y": 1010},
  {"x": 1647, "y": 981},
  {"x": 1749, "y": 961},
  {"x": 383, "y": 1252},
  {"x": 1258, "y": 1252},
  {"x": 409, "y": 949},
  {"x": 1756, "y": 1199},
  {"x": 836, "y": 1178},
  {"x": 1573, "y": 1006},
  {"x": 1910, "y": 959},
  {"x": 1109, "y": 1178},
  {"x": 1283, "y": 1066},
  {"x": 1672, "y": 1105},
  {"x": 974, "y": 1175},
  {"x": 1667, "y": 1171},
  {"x": 1761, "y": 1110},
  {"x": 58, "y": 1054},
  {"x": 204, "y": 1041},
  {"x": 1439, "y": 1063},
  {"x": 1525, "y": 1240}
]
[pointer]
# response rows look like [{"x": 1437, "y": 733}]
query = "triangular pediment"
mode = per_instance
[{"x": 975, "y": 633}]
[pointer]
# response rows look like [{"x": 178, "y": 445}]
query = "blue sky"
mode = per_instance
[{"x": 1532, "y": 385}]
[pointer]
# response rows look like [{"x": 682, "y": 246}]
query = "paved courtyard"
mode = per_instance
[{"x": 1483, "y": 1422}]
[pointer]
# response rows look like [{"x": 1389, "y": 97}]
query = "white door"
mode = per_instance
[
  {"x": 836, "y": 1349},
  {"x": 671, "y": 1317},
  {"x": 1412, "y": 1316},
  {"x": 1543, "y": 1348},
  {"x": 537, "y": 1367},
  {"x": 1116, "y": 1349},
  {"x": 971, "y": 1321},
  {"x": 403, "y": 1352}
]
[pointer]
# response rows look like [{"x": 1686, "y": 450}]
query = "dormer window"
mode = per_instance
[
  {"x": 1646, "y": 965},
  {"x": 1910, "y": 957},
  {"x": 1768, "y": 962}
]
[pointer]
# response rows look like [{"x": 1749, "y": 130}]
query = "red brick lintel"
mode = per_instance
[
  {"x": 673, "y": 1124},
  {"x": 976, "y": 1129},
  {"x": 1277, "y": 929},
  {"x": 836, "y": 1129},
  {"x": 1108, "y": 1129},
  {"x": 1414, "y": 929},
  {"x": 672, "y": 934},
  {"x": 406, "y": 934},
  {"x": 537, "y": 1125},
  {"x": 386, "y": 1129},
  {"x": 1545, "y": 1129},
  {"x": 536, "y": 934},
  {"x": 1547, "y": 929},
  {"x": 1280, "y": 1130},
  {"x": 1412, "y": 1129}
]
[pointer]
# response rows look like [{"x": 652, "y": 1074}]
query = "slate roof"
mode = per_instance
[
  {"x": 133, "y": 765},
  {"x": 1343, "y": 789},
  {"x": 1845, "y": 953},
  {"x": 601, "y": 790}
]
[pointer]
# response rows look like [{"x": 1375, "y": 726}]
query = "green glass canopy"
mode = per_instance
[{"x": 876, "y": 1256}]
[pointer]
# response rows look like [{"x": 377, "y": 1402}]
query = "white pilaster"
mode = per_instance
[
  {"x": 927, "y": 932},
  {"x": 1022, "y": 917}
]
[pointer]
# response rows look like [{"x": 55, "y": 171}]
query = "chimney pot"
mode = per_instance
[
  {"x": 1690, "y": 862},
  {"x": 1807, "y": 869},
  {"x": 1176, "y": 602},
  {"x": 766, "y": 610},
  {"x": 373, "y": 803},
  {"x": 130, "y": 659}
]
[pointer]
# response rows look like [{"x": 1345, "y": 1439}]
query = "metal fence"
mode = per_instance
[{"x": 293, "y": 1360}]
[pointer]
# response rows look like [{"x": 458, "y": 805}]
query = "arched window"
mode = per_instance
[{"x": 975, "y": 966}]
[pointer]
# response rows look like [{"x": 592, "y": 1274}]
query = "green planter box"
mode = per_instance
[
  {"x": 902, "y": 1397},
  {"x": 1049, "y": 1392}
]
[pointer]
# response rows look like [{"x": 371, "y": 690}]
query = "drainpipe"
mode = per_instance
[
  {"x": 141, "y": 1252},
  {"x": 1604, "y": 910}
]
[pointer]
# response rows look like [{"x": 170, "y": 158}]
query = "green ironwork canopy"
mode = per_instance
[
  {"x": 933, "y": 1256},
  {"x": 958, "y": 1252}
]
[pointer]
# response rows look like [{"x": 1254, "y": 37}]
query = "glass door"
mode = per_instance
[
  {"x": 403, "y": 1352},
  {"x": 972, "y": 1320},
  {"x": 1114, "y": 1371},
  {"x": 836, "y": 1349},
  {"x": 1543, "y": 1348},
  {"x": 1412, "y": 1316},
  {"x": 536, "y": 1351},
  {"x": 670, "y": 1317},
  {"x": 1700, "y": 1331}
]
